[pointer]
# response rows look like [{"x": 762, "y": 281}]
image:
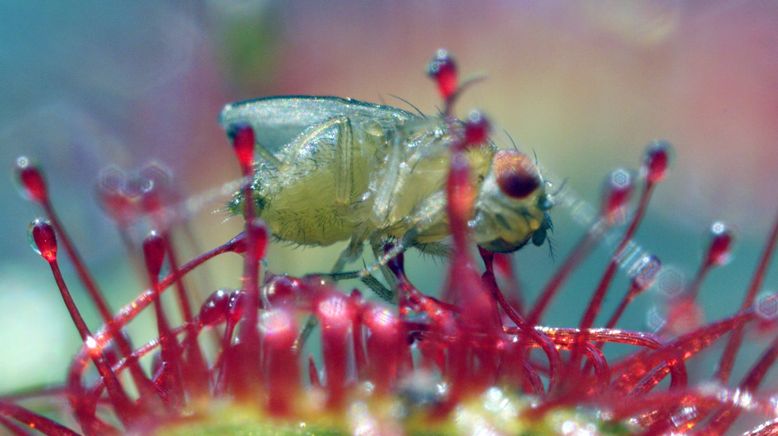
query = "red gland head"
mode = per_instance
[
  {"x": 216, "y": 308},
  {"x": 44, "y": 239},
  {"x": 282, "y": 290},
  {"x": 618, "y": 188},
  {"x": 656, "y": 161},
  {"x": 154, "y": 253},
  {"x": 516, "y": 174},
  {"x": 31, "y": 180},
  {"x": 720, "y": 246},
  {"x": 443, "y": 70},
  {"x": 477, "y": 128},
  {"x": 242, "y": 137},
  {"x": 334, "y": 311},
  {"x": 155, "y": 186},
  {"x": 111, "y": 191}
]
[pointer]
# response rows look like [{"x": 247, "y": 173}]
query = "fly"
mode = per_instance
[{"x": 333, "y": 169}]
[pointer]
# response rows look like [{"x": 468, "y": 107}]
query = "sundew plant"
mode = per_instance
[{"x": 472, "y": 357}]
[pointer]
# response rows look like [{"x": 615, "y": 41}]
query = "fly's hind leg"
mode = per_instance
[
  {"x": 350, "y": 254},
  {"x": 345, "y": 154},
  {"x": 344, "y": 163},
  {"x": 429, "y": 213}
]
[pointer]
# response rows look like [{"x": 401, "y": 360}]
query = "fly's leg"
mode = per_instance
[
  {"x": 379, "y": 247},
  {"x": 305, "y": 333},
  {"x": 345, "y": 154},
  {"x": 344, "y": 163},
  {"x": 420, "y": 221},
  {"x": 350, "y": 254},
  {"x": 382, "y": 259},
  {"x": 429, "y": 213},
  {"x": 390, "y": 181}
]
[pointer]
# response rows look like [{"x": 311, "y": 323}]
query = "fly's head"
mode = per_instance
[{"x": 512, "y": 205}]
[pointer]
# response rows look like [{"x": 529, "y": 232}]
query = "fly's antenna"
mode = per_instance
[
  {"x": 561, "y": 187},
  {"x": 551, "y": 250}
]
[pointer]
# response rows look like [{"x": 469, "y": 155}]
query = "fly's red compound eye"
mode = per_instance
[{"x": 516, "y": 174}]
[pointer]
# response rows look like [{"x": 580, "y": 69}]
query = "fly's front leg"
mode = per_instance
[
  {"x": 430, "y": 213},
  {"x": 379, "y": 249}
]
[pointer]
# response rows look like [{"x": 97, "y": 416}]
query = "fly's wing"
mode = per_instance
[{"x": 277, "y": 121}]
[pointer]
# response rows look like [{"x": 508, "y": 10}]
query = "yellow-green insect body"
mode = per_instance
[{"x": 332, "y": 169}]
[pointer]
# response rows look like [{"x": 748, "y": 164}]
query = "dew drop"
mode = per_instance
[
  {"x": 238, "y": 243},
  {"x": 111, "y": 188},
  {"x": 43, "y": 239},
  {"x": 242, "y": 137},
  {"x": 215, "y": 308},
  {"x": 766, "y": 306},
  {"x": 720, "y": 245},
  {"x": 154, "y": 253},
  {"x": 237, "y": 304},
  {"x": 282, "y": 290},
  {"x": 31, "y": 180},
  {"x": 645, "y": 271},
  {"x": 656, "y": 161},
  {"x": 443, "y": 69},
  {"x": 655, "y": 320},
  {"x": 618, "y": 188},
  {"x": 477, "y": 128},
  {"x": 159, "y": 176}
]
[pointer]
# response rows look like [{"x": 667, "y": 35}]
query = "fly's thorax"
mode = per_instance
[
  {"x": 412, "y": 168},
  {"x": 417, "y": 201},
  {"x": 510, "y": 206}
]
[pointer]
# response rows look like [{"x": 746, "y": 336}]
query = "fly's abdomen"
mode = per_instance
[
  {"x": 302, "y": 210},
  {"x": 301, "y": 206}
]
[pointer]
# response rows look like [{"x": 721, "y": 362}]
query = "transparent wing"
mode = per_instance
[{"x": 278, "y": 120}]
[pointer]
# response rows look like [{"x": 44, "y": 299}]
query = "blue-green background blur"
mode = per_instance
[{"x": 584, "y": 85}]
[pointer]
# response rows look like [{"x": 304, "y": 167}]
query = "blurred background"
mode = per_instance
[{"x": 584, "y": 85}]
